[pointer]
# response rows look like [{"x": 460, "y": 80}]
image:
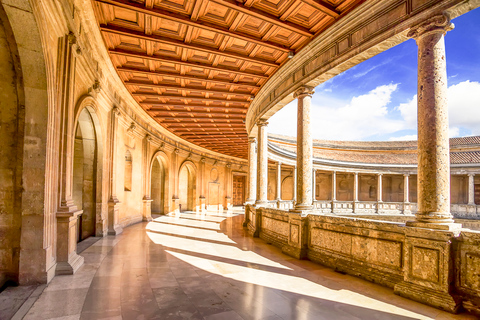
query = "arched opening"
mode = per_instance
[
  {"x": 157, "y": 184},
  {"x": 85, "y": 173},
  {"x": 187, "y": 189}
]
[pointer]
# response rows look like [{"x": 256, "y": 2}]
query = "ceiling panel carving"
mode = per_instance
[{"x": 195, "y": 65}]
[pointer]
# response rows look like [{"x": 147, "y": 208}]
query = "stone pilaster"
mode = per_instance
[
  {"x": 471, "y": 189},
  {"x": 279, "y": 181},
  {"x": 304, "y": 150},
  {"x": 262, "y": 163},
  {"x": 147, "y": 201},
  {"x": 67, "y": 213},
  {"x": 114, "y": 227},
  {"x": 203, "y": 183},
  {"x": 252, "y": 170},
  {"x": 228, "y": 185},
  {"x": 433, "y": 143}
]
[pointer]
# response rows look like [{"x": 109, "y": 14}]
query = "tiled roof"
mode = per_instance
[{"x": 383, "y": 152}]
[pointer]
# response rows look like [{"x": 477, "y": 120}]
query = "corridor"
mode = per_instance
[{"x": 204, "y": 266}]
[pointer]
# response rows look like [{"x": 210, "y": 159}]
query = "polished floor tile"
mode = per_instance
[{"x": 204, "y": 266}]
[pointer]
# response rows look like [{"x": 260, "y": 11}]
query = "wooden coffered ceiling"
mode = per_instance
[{"x": 195, "y": 65}]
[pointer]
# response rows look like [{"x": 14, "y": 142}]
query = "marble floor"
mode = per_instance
[{"x": 204, "y": 266}]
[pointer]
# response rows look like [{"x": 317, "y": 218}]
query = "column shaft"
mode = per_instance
[
  {"x": 252, "y": 170},
  {"x": 279, "y": 181},
  {"x": 471, "y": 189},
  {"x": 433, "y": 142},
  {"x": 304, "y": 150},
  {"x": 262, "y": 163},
  {"x": 294, "y": 183},
  {"x": 379, "y": 188},
  {"x": 406, "y": 189},
  {"x": 355, "y": 187},
  {"x": 314, "y": 184},
  {"x": 334, "y": 186}
]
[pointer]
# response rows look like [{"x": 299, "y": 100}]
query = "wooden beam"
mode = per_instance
[
  {"x": 184, "y": 19},
  {"x": 156, "y": 95},
  {"x": 186, "y": 77},
  {"x": 169, "y": 86},
  {"x": 163, "y": 106},
  {"x": 181, "y": 44},
  {"x": 253, "y": 12},
  {"x": 183, "y": 116},
  {"x": 184, "y": 63},
  {"x": 234, "y": 114},
  {"x": 323, "y": 6},
  {"x": 202, "y": 120}
]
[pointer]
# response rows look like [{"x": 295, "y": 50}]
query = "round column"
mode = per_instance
[
  {"x": 279, "y": 181},
  {"x": 433, "y": 142},
  {"x": 252, "y": 170},
  {"x": 262, "y": 163},
  {"x": 471, "y": 189},
  {"x": 304, "y": 150}
]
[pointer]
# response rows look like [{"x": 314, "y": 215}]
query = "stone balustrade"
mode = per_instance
[{"x": 440, "y": 268}]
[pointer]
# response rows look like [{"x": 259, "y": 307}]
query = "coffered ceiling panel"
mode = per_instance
[{"x": 195, "y": 65}]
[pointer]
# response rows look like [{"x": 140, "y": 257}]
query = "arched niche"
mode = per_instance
[
  {"x": 287, "y": 188},
  {"x": 158, "y": 187},
  {"x": 187, "y": 186},
  {"x": 88, "y": 191}
]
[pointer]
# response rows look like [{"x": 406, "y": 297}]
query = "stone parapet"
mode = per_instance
[{"x": 436, "y": 267}]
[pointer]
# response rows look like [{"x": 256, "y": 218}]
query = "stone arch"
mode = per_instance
[
  {"x": 37, "y": 203},
  {"x": 88, "y": 133},
  {"x": 159, "y": 200},
  {"x": 187, "y": 186}
]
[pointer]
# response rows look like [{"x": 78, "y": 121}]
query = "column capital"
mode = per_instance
[
  {"x": 262, "y": 123},
  {"x": 252, "y": 140},
  {"x": 279, "y": 163},
  {"x": 436, "y": 24},
  {"x": 471, "y": 174},
  {"x": 406, "y": 174},
  {"x": 303, "y": 91}
]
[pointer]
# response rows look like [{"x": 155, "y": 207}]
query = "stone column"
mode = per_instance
[
  {"x": 294, "y": 182},
  {"x": 252, "y": 170},
  {"x": 314, "y": 184},
  {"x": 203, "y": 182},
  {"x": 228, "y": 185},
  {"x": 355, "y": 191},
  {"x": 334, "y": 186},
  {"x": 304, "y": 150},
  {"x": 428, "y": 250},
  {"x": 262, "y": 163},
  {"x": 279, "y": 181},
  {"x": 355, "y": 187},
  {"x": 406, "y": 189},
  {"x": 113, "y": 203},
  {"x": 433, "y": 143},
  {"x": 471, "y": 189},
  {"x": 379, "y": 187}
]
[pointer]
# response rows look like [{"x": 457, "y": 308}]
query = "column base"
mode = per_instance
[
  {"x": 147, "y": 209},
  {"x": 302, "y": 208},
  {"x": 433, "y": 225},
  {"x": 437, "y": 299},
  {"x": 114, "y": 228},
  {"x": 69, "y": 267}
]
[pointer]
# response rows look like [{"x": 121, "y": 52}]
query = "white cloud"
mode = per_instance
[
  {"x": 367, "y": 115},
  {"x": 361, "y": 117},
  {"x": 408, "y": 137},
  {"x": 463, "y": 108}
]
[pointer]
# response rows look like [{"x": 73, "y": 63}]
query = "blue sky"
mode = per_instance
[{"x": 376, "y": 100}]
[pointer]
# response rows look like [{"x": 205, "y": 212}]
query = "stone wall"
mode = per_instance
[{"x": 435, "y": 267}]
